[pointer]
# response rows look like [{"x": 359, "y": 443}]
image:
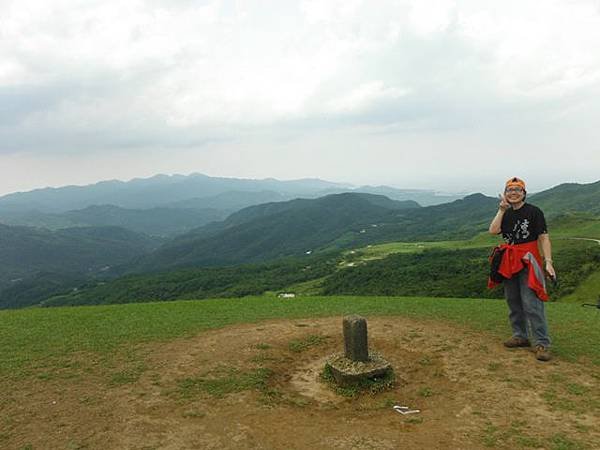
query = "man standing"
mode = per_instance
[{"x": 518, "y": 263}]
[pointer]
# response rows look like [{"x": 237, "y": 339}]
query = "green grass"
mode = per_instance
[
  {"x": 310, "y": 287},
  {"x": 577, "y": 225},
  {"x": 483, "y": 240},
  {"x": 35, "y": 341},
  {"x": 515, "y": 436},
  {"x": 587, "y": 292},
  {"x": 379, "y": 251},
  {"x": 562, "y": 442},
  {"x": 562, "y": 228},
  {"x": 365, "y": 386},
  {"x": 425, "y": 391}
]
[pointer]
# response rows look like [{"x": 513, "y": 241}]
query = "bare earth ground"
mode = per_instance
[{"x": 194, "y": 393}]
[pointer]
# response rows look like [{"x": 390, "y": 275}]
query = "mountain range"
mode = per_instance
[
  {"x": 108, "y": 240},
  {"x": 194, "y": 191},
  {"x": 170, "y": 205}
]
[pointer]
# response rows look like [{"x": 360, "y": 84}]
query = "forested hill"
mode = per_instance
[
  {"x": 569, "y": 197},
  {"x": 274, "y": 230},
  {"x": 293, "y": 228},
  {"x": 456, "y": 220},
  {"x": 25, "y": 251},
  {"x": 153, "y": 221}
]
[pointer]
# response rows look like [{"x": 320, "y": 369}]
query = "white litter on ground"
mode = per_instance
[{"x": 406, "y": 410}]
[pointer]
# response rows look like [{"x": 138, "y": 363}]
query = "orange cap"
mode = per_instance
[{"x": 514, "y": 182}]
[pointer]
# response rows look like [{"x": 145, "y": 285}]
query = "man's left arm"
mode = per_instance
[{"x": 546, "y": 249}]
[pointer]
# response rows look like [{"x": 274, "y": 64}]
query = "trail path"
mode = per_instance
[{"x": 584, "y": 239}]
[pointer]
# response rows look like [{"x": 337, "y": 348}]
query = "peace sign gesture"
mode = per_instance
[{"x": 504, "y": 205}]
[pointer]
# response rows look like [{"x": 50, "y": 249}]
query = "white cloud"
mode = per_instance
[
  {"x": 538, "y": 51},
  {"x": 431, "y": 17},
  {"x": 365, "y": 96}
]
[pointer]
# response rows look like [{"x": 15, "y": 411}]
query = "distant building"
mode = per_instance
[{"x": 286, "y": 295}]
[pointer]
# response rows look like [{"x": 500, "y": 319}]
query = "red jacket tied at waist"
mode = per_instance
[{"x": 515, "y": 258}]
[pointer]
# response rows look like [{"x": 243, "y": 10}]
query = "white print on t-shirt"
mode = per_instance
[{"x": 521, "y": 230}]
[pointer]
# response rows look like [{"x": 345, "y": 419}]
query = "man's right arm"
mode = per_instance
[{"x": 496, "y": 225}]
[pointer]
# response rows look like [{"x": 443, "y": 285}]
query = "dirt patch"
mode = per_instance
[
  {"x": 258, "y": 386},
  {"x": 306, "y": 381}
]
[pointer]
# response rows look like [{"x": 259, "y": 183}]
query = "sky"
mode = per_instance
[{"x": 455, "y": 96}]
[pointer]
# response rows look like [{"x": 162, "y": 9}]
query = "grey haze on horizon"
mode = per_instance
[{"x": 445, "y": 95}]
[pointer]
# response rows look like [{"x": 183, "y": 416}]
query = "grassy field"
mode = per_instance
[
  {"x": 35, "y": 342},
  {"x": 576, "y": 226},
  {"x": 586, "y": 292},
  {"x": 379, "y": 251},
  {"x": 560, "y": 238}
]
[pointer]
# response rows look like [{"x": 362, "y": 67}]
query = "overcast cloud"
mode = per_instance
[{"x": 450, "y": 95}]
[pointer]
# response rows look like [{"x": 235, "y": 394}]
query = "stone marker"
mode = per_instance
[
  {"x": 356, "y": 364},
  {"x": 356, "y": 346}
]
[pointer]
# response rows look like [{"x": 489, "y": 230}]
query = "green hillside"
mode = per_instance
[
  {"x": 384, "y": 244},
  {"x": 153, "y": 222},
  {"x": 70, "y": 254},
  {"x": 459, "y": 220},
  {"x": 329, "y": 223},
  {"x": 447, "y": 272},
  {"x": 438, "y": 268},
  {"x": 25, "y": 250},
  {"x": 271, "y": 231},
  {"x": 200, "y": 283},
  {"x": 279, "y": 229},
  {"x": 569, "y": 197}
]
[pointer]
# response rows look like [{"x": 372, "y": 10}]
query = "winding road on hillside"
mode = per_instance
[{"x": 585, "y": 239}]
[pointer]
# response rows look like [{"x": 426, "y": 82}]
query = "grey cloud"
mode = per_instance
[{"x": 451, "y": 86}]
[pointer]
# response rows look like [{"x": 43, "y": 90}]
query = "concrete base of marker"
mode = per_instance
[{"x": 347, "y": 372}]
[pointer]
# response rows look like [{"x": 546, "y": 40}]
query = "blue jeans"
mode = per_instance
[{"x": 525, "y": 308}]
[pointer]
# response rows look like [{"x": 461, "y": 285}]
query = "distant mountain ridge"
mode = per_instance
[
  {"x": 159, "y": 221},
  {"x": 159, "y": 190},
  {"x": 195, "y": 190}
]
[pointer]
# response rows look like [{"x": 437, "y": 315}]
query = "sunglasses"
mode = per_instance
[{"x": 514, "y": 189}]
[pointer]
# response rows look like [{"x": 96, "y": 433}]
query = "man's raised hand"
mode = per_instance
[{"x": 504, "y": 205}]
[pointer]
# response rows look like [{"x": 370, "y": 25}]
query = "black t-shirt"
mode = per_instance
[{"x": 523, "y": 225}]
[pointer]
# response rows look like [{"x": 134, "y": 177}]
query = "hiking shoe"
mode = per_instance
[
  {"x": 542, "y": 353},
  {"x": 514, "y": 342}
]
